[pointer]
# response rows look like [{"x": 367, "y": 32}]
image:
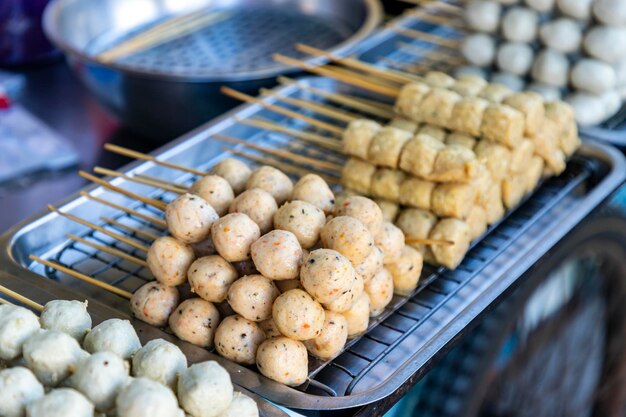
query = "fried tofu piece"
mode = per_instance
[
  {"x": 404, "y": 124},
  {"x": 439, "y": 79},
  {"x": 477, "y": 221},
  {"x": 492, "y": 203},
  {"x": 454, "y": 163},
  {"x": 461, "y": 139},
  {"x": 357, "y": 175},
  {"x": 562, "y": 114},
  {"x": 416, "y": 224},
  {"x": 436, "y": 108},
  {"x": 513, "y": 190},
  {"x": 533, "y": 173},
  {"x": 496, "y": 157},
  {"x": 503, "y": 124},
  {"x": 433, "y": 131},
  {"x": 416, "y": 192},
  {"x": 419, "y": 155},
  {"x": 453, "y": 200},
  {"x": 408, "y": 103},
  {"x": 358, "y": 136},
  {"x": 453, "y": 230},
  {"x": 548, "y": 147},
  {"x": 532, "y": 107},
  {"x": 386, "y": 183},
  {"x": 387, "y": 145},
  {"x": 389, "y": 208},
  {"x": 521, "y": 156},
  {"x": 467, "y": 88},
  {"x": 467, "y": 115},
  {"x": 495, "y": 93},
  {"x": 474, "y": 79}
]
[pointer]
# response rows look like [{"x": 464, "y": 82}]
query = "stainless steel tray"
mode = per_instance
[{"x": 400, "y": 345}]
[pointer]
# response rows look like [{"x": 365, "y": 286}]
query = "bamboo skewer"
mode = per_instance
[
  {"x": 6, "y": 302},
  {"x": 20, "y": 298},
  {"x": 149, "y": 219},
  {"x": 109, "y": 250},
  {"x": 441, "y": 20},
  {"x": 132, "y": 229},
  {"x": 282, "y": 110},
  {"x": 83, "y": 277},
  {"x": 281, "y": 153},
  {"x": 140, "y": 180},
  {"x": 432, "y": 54},
  {"x": 314, "y": 138},
  {"x": 150, "y": 201},
  {"x": 427, "y": 37},
  {"x": 145, "y": 157},
  {"x": 354, "y": 74},
  {"x": 162, "y": 181},
  {"x": 319, "y": 108},
  {"x": 412, "y": 241},
  {"x": 100, "y": 229},
  {"x": 327, "y": 72}
]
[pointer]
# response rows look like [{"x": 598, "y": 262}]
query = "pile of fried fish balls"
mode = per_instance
[
  {"x": 570, "y": 48},
  {"x": 284, "y": 270},
  {"x": 57, "y": 365}
]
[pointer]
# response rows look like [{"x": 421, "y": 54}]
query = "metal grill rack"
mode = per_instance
[{"x": 402, "y": 342}]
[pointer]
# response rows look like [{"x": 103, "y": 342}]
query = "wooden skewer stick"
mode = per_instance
[
  {"x": 163, "y": 181},
  {"x": 437, "y": 19},
  {"x": 149, "y": 219},
  {"x": 100, "y": 229},
  {"x": 365, "y": 77},
  {"x": 411, "y": 241},
  {"x": 327, "y": 72},
  {"x": 145, "y": 157},
  {"x": 109, "y": 250},
  {"x": 310, "y": 137},
  {"x": 413, "y": 67},
  {"x": 20, "y": 298},
  {"x": 83, "y": 277},
  {"x": 140, "y": 232},
  {"x": 111, "y": 173},
  {"x": 6, "y": 302},
  {"x": 319, "y": 108},
  {"x": 427, "y": 37},
  {"x": 359, "y": 65},
  {"x": 444, "y": 4},
  {"x": 150, "y": 201},
  {"x": 285, "y": 167},
  {"x": 281, "y": 153},
  {"x": 446, "y": 55},
  {"x": 282, "y": 110}
]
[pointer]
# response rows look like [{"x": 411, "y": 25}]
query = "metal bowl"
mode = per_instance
[{"x": 174, "y": 87}]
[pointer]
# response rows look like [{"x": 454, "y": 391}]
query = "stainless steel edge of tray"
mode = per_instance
[{"x": 400, "y": 345}]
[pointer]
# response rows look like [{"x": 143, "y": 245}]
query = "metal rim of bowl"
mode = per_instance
[{"x": 373, "y": 18}]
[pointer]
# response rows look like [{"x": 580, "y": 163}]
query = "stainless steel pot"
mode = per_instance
[{"x": 174, "y": 87}]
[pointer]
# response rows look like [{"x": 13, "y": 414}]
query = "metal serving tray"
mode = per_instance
[{"x": 399, "y": 346}]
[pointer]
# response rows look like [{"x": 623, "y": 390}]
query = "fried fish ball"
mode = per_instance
[
  {"x": 477, "y": 221},
  {"x": 439, "y": 79},
  {"x": 358, "y": 316},
  {"x": 113, "y": 335},
  {"x": 235, "y": 172},
  {"x": 416, "y": 224},
  {"x": 578, "y": 9},
  {"x": 252, "y": 297},
  {"x": 238, "y": 339},
  {"x": 349, "y": 237},
  {"x": 62, "y": 402},
  {"x": 269, "y": 328},
  {"x": 257, "y": 204},
  {"x": 461, "y": 139},
  {"x": 233, "y": 235},
  {"x": 593, "y": 76},
  {"x": 189, "y": 218},
  {"x": 195, "y": 321},
  {"x": 547, "y": 146},
  {"x": 277, "y": 255},
  {"x": 434, "y": 132},
  {"x": 302, "y": 219},
  {"x": 386, "y": 183},
  {"x": 415, "y": 192},
  {"x": 406, "y": 271},
  {"x": 503, "y": 124},
  {"x": 70, "y": 317},
  {"x": 513, "y": 190},
  {"x": 389, "y": 209},
  {"x": 160, "y": 361},
  {"x": 494, "y": 208},
  {"x": 284, "y": 360},
  {"x": 169, "y": 259},
  {"x": 453, "y": 199},
  {"x": 358, "y": 136},
  {"x": 326, "y": 275},
  {"x": 610, "y": 12},
  {"x": 331, "y": 339},
  {"x": 467, "y": 115},
  {"x": 298, "y": 315},
  {"x": 362, "y": 209},
  {"x": 273, "y": 181},
  {"x": 483, "y": 15},
  {"x": 531, "y": 106},
  {"x": 143, "y": 397},
  {"x": 153, "y": 303},
  {"x": 410, "y": 98},
  {"x": 522, "y": 155},
  {"x": 495, "y": 93},
  {"x": 496, "y": 157},
  {"x": 534, "y": 173},
  {"x": 371, "y": 265},
  {"x": 100, "y": 378},
  {"x": 347, "y": 299},
  {"x": 437, "y": 106},
  {"x": 456, "y": 231},
  {"x": 241, "y": 406},
  {"x": 404, "y": 124},
  {"x": 52, "y": 356},
  {"x": 216, "y": 191},
  {"x": 17, "y": 324},
  {"x": 386, "y": 146},
  {"x": 455, "y": 163},
  {"x": 313, "y": 189},
  {"x": 563, "y": 35},
  {"x": 357, "y": 175},
  {"x": 551, "y": 67},
  {"x": 515, "y": 57},
  {"x": 419, "y": 155},
  {"x": 479, "y": 49},
  {"x": 18, "y": 388},
  {"x": 211, "y": 277},
  {"x": 519, "y": 24},
  {"x": 380, "y": 291},
  {"x": 391, "y": 240}
]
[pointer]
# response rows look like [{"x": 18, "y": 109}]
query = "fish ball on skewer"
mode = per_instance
[
  {"x": 416, "y": 224},
  {"x": 331, "y": 339},
  {"x": 70, "y": 317},
  {"x": 519, "y": 24},
  {"x": 17, "y": 325},
  {"x": 100, "y": 378},
  {"x": 593, "y": 76},
  {"x": 235, "y": 172},
  {"x": 241, "y": 406},
  {"x": 257, "y": 204},
  {"x": 483, "y": 15},
  {"x": 578, "y": 9},
  {"x": 362, "y": 209},
  {"x": 358, "y": 136},
  {"x": 277, "y": 255},
  {"x": 211, "y": 277},
  {"x": 252, "y": 297},
  {"x": 357, "y": 175},
  {"x": 589, "y": 108},
  {"x": 610, "y": 12},
  {"x": 551, "y": 67},
  {"x": 189, "y": 218},
  {"x": 385, "y": 148},
  {"x": 62, "y": 402},
  {"x": 326, "y": 275},
  {"x": 606, "y": 43},
  {"x": 349, "y": 237},
  {"x": 380, "y": 291},
  {"x": 612, "y": 103},
  {"x": 298, "y": 315},
  {"x": 358, "y": 316},
  {"x": 371, "y": 265},
  {"x": 114, "y": 335},
  {"x": 154, "y": 302},
  {"x": 389, "y": 209},
  {"x": 273, "y": 181},
  {"x": 479, "y": 49},
  {"x": 455, "y": 231},
  {"x": 216, "y": 191},
  {"x": 143, "y": 397},
  {"x": 563, "y": 35},
  {"x": 238, "y": 339},
  {"x": 18, "y": 388},
  {"x": 391, "y": 240},
  {"x": 169, "y": 259},
  {"x": 515, "y": 57},
  {"x": 52, "y": 356},
  {"x": 284, "y": 360},
  {"x": 313, "y": 189},
  {"x": 302, "y": 219},
  {"x": 406, "y": 271},
  {"x": 345, "y": 301},
  {"x": 195, "y": 321},
  {"x": 160, "y": 361},
  {"x": 233, "y": 235}
]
